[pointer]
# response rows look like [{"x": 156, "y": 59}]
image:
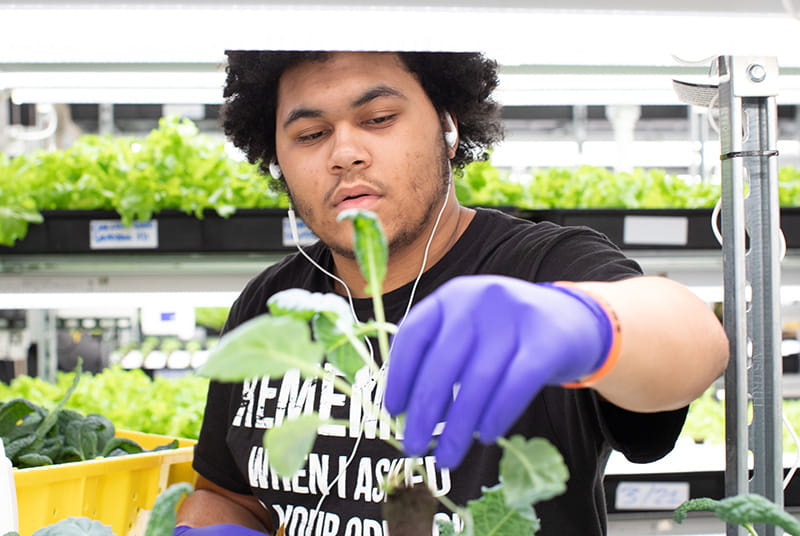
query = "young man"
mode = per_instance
[{"x": 608, "y": 362}]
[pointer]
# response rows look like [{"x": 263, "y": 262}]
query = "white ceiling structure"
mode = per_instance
[{"x": 620, "y": 51}]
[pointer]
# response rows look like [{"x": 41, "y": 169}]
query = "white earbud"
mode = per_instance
[
  {"x": 275, "y": 169},
  {"x": 293, "y": 223},
  {"x": 451, "y": 134}
]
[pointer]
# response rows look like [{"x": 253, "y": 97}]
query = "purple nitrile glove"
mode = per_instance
[
  {"x": 216, "y": 530},
  {"x": 500, "y": 340}
]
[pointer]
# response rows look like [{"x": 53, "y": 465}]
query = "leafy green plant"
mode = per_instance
[
  {"x": 596, "y": 187},
  {"x": 789, "y": 186},
  {"x": 705, "y": 422},
  {"x": 34, "y": 436},
  {"x": 745, "y": 510},
  {"x": 160, "y": 523},
  {"x": 304, "y": 329},
  {"x": 174, "y": 167},
  {"x": 484, "y": 184},
  {"x": 130, "y": 399},
  {"x": 211, "y": 317}
]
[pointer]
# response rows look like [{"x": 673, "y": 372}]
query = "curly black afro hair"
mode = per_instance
[{"x": 460, "y": 83}]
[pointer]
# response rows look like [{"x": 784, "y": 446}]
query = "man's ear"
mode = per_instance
[{"x": 450, "y": 135}]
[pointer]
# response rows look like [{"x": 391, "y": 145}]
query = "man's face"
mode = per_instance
[{"x": 358, "y": 131}]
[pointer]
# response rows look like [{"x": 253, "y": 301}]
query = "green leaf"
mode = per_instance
[
  {"x": 264, "y": 346},
  {"x": 27, "y": 427},
  {"x": 303, "y": 305},
  {"x": 66, "y": 416},
  {"x": 172, "y": 445},
  {"x": 332, "y": 324},
  {"x": 75, "y": 526},
  {"x": 12, "y": 412},
  {"x": 19, "y": 446},
  {"x": 371, "y": 249},
  {"x": 446, "y": 528},
  {"x": 121, "y": 445},
  {"x": 744, "y": 509},
  {"x": 339, "y": 348},
  {"x": 83, "y": 435},
  {"x": 162, "y": 517},
  {"x": 491, "y": 516},
  {"x": 69, "y": 454},
  {"x": 14, "y": 223},
  {"x": 212, "y": 317},
  {"x": 33, "y": 459},
  {"x": 52, "y": 417},
  {"x": 103, "y": 427},
  {"x": 52, "y": 447},
  {"x": 88, "y": 442},
  {"x": 288, "y": 445},
  {"x": 703, "y": 504},
  {"x": 531, "y": 471}
]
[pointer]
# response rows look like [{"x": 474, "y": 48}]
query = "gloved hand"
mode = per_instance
[
  {"x": 216, "y": 530},
  {"x": 500, "y": 340}
]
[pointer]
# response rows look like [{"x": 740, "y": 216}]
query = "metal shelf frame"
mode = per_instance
[{"x": 751, "y": 262}]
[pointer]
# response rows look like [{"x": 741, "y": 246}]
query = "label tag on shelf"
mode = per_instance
[
  {"x": 306, "y": 237},
  {"x": 656, "y": 230},
  {"x": 650, "y": 495},
  {"x": 112, "y": 234}
]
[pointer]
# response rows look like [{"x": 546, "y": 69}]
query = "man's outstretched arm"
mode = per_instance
[{"x": 673, "y": 346}]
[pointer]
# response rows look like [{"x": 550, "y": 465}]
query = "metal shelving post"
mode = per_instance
[{"x": 751, "y": 260}]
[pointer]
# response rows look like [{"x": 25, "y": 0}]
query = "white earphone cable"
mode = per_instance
[
  {"x": 296, "y": 238},
  {"x": 425, "y": 254}
]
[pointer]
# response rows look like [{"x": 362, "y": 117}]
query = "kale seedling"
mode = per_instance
[
  {"x": 35, "y": 436},
  {"x": 745, "y": 510},
  {"x": 304, "y": 329}
]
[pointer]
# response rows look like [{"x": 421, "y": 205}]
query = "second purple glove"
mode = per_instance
[
  {"x": 216, "y": 530},
  {"x": 498, "y": 341}
]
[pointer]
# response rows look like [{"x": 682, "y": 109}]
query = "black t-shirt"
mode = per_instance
[{"x": 584, "y": 428}]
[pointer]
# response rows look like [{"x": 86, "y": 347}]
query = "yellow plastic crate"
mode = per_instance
[{"x": 118, "y": 491}]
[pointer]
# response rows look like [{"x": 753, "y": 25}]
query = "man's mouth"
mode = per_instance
[
  {"x": 356, "y": 197},
  {"x": 363, "y": 201}
]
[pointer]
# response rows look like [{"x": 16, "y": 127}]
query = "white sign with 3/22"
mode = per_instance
[{"x": 650, "y": 495}]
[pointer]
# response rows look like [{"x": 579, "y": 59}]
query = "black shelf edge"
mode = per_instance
[{"x": 263, "y": 230}]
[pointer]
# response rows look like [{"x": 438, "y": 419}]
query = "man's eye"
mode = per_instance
[
  {"x": 310, "y": 137},
  {"x": 381, "y": 119}
]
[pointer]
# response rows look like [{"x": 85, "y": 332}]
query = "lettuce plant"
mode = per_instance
[{"x": 304, "y": 329}]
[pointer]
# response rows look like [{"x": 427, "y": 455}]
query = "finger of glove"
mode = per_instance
[
  {"x": 495, "y": 347},
  {"x": 527, "y": 374},
  {"x": 409, "y": 348},
  {"x": 441, "y": 370}
]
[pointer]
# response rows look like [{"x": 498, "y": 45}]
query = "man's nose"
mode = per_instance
[{"x": 348, "y": 150}]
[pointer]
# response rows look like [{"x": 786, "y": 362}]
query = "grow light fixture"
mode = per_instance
[
  {"x": 109, "y": 35},
  {"x": 114, "y": 86},
  {"x": 97, "y": 95},
  {"x": 112, "y": 32}
]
